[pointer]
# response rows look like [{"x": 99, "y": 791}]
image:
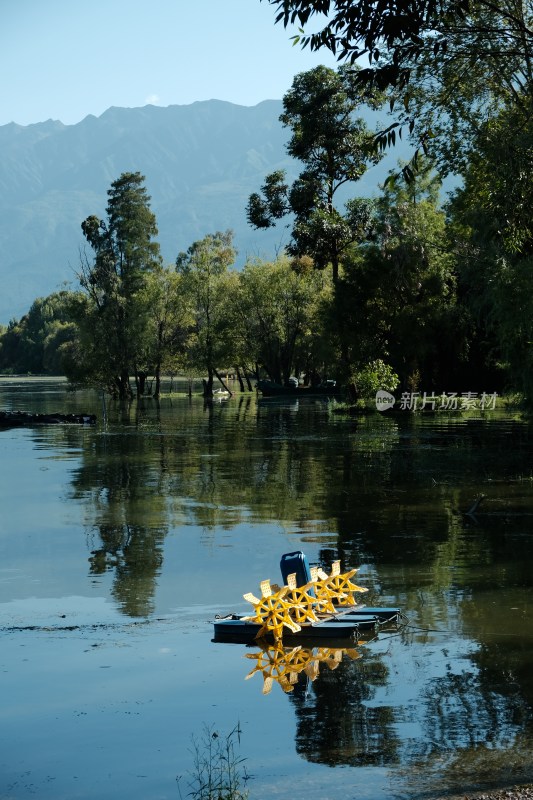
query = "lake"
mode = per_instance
[{"x": 120, "y": 543}]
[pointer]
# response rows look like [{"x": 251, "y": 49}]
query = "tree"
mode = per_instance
[
  {"x": 491, "y": 221},
  {"x": 277, "y": 312},
  {"x": 335, "y": 149},
  {"x": 497, "y": 181},
  {"x": 409, "y": 32},
  {"x": 170, "y": 323},
  {"x": 398, "y": 294},
  {"x": 115, "y": 319},
  {"x": 37, "y": 341},
  {"x": 204, "y": 279},
  {"x": 449, "y": 64},
  {"x": 487, "y": 68}
]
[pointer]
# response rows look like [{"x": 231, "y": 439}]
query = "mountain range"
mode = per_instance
[{"x": 200, "y": 161}]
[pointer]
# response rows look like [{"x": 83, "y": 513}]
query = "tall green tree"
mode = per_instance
[
  {"x": 335, "y": 149},
  {"x": 491, "y": 221},
  {"x": 497, "y": 181},
  {"x": 170, "y": 326},
  {"x": 204, "y": 271},
  {"x": 398, "y": 294},
  {"x": 277, "y": 311},
  {"x": 115, "y": 318},
  {"x": 36, "y": 343}
]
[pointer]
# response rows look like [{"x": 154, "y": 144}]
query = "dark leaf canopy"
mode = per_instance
[{"x": 394, "y": 34}]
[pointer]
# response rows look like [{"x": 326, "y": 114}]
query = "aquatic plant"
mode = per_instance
[{"x": 218, "y": 772}]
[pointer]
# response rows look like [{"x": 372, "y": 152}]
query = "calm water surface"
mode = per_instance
[{"x": 120, "y": 543}]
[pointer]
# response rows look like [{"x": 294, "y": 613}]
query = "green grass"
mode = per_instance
[{"x": 218, "y": 772}]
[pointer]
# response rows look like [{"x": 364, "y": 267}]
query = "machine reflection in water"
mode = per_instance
[{"x": 287, "y": 666}]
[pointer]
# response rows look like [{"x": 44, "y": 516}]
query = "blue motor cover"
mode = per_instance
[{"x": 296, "y": 562}]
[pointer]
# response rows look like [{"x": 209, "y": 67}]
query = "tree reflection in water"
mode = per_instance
[
  {"x": 135, "y": 555},
  {"x": 334, "y": 726},
  {"x": 386, "y": 493}
]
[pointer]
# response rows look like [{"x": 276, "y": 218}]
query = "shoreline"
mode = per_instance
[{"x": 516, "y": 792}]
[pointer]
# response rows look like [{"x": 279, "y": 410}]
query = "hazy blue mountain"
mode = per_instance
[{"x": 201, "y": 163}]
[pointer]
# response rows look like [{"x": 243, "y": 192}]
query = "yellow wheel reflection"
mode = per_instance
[{"x": 278, "y": 664}]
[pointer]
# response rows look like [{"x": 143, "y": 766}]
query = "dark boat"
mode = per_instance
[
  {"x": 271, "y": 389},
  {"x": 296, "y": 611},
  {"x": 347, "y": 624},
  {"x": 15, "y": 419}
]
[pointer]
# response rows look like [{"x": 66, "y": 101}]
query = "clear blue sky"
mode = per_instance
[{"x": 64, "y": 59}]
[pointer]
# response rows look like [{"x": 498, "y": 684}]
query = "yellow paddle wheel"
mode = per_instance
[
  {"x": 271, "y": 611},
  {"x": 335, "y": 589},
  {"x": 292, "y": 606}
]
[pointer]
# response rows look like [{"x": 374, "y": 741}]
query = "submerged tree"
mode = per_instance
[
  {"x": 37, "y": 342},
  {"x": 204, "y": 271},
  {"x": 170, "y": 325},
  {"x": 277, "y": 313},
  {"x": 115, "y": 318}
]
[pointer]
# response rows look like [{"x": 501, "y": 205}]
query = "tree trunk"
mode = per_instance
[
  {"x": 157, "y": 391},
  {"x": 208, "y": 384},
  {"x": 123, "y": 386},
  {"x": 353, "y": 394},
  {"x": 247, "y": 378},
  {"x": 140, "y": 382},
  {"x": 239, "y": 378}
]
